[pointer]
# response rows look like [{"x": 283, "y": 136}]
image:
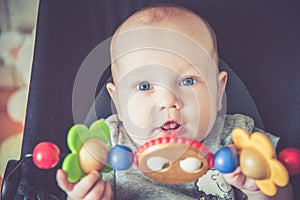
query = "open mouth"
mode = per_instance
[{"x": 171, "y": 128}]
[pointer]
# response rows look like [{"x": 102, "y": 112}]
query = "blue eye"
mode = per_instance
[
  {"x": 144, "y": 86},
  {"x": 188, "y": 82}
]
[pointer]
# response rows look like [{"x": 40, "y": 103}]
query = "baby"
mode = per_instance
[{"x": 166, "y": 83}]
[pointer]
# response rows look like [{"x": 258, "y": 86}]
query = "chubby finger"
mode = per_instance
[
  {"x": 86, "y": 184},
  {"x": 63, "y": 183},
  {"x": 235, "y": 176},
  {"x": 108, "y": 193},
  {"x": 101, "y": 190},
  {"x": 238, "y": 179}
]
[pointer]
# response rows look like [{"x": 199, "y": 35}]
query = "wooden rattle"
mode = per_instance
[
  {"x": 170, "y": 160},
  {"x": 258, "y": 161},
  {"x": 90, "y": 150},
  {"x": 173, "y": 160}
]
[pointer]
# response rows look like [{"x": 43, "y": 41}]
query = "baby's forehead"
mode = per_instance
[
  {"x": 173, "y": 29},
  {"x": 172, "y": 59},
  {"x": 190, "y": 26},
  {"x": 159, "y": 45}
]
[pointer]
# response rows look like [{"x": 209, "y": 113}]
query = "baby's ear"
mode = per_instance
[
  {"x": 222, "y": 81},
  {"x": 112, "y": 90}
]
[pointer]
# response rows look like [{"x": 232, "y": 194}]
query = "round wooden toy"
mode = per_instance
[
  {"x": 290, "y": 158},
  {"x": 120, "y": 157},
  {"x": 46, "y": 155},
  {"x": 173, "y": 160},
  {"x": 93, "y": 155},
  {"x": 258, "y": 161},
  {"x": 254, "y": 165}
]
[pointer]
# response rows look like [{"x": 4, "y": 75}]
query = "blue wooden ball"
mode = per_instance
[
  {"x": 120, "y": 157},
  {"x": 226, "y": 160}
]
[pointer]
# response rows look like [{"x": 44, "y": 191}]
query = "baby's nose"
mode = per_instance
[{"x": 167, "y": 100}]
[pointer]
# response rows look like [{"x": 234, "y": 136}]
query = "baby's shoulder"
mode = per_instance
[
  {"x": 118, "y": 133},
  {"x": 229, "y": 124},
  {"x": 238, "y": 121},
  {"x": 113, "y": 124},
  {"x": 244, "y": 122}
]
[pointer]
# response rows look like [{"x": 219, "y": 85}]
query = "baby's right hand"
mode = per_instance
[{"x": 90, "y": 187}]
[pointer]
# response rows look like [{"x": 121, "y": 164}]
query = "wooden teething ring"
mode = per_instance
[{"x": 174, "y": 150}]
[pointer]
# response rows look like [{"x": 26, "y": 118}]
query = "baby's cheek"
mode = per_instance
[
  {"x": 139, "y": 112},
  {"x": 199, "y": 115}
]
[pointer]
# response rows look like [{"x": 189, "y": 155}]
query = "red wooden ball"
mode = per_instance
[
  {"x": 290, "y": 158},
  {"x": 46, "y": 155}
]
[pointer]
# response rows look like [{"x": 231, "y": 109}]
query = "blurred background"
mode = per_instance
[{"x": 17, "y": 34}]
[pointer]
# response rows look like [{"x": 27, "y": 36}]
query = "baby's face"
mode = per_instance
[
  {"x": 166, "y": 82},
  {"x": 158, "y": 93}
]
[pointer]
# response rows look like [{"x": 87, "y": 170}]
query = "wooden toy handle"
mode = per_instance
[{"x": 174, "y": 153}]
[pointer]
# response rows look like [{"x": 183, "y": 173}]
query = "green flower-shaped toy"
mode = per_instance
[{"x": 89, "y": 150}]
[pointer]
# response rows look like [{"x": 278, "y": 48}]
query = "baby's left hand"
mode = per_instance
[{"x": 238, "y": 179}]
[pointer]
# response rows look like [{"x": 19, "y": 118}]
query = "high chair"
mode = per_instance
[{"x": 258, "y": 40}]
